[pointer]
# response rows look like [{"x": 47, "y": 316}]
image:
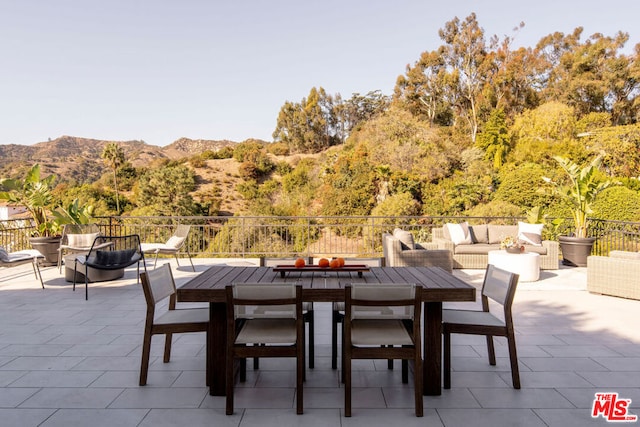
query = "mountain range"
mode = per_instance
[{"x": 78, "y": 158}]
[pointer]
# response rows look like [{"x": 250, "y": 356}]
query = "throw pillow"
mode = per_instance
[
  {"x": 175, "y": 241},
  {"x": 406, "y": 239},
  {"x": 114, "y": 257},
  {"x": 479, "y": 233},
  {"x": 81, "y": 240},
  {"x": 459, "y": 233},
  {"x": 4, "y": 255},
  {"x": 530, "y": 234}
]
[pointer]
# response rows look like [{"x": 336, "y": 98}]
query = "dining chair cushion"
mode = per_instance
[
  {"x": 268, "y": 331},
  {"x": 371, "y": 332},
  {"x": 471, "y": 317}
]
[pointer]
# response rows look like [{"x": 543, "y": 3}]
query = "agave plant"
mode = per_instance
[{"x": 585, "y": 184}]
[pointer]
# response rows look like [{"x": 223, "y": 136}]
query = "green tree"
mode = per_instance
[
  {"x": 423, "y": 89},
  {"x": 113, "y": 156},
  {"x": 465, "y": 53},
  {"x": 494, "y": 139},
  {"x": 593, "y": 76},
  {"x": 405, "y": 144},
  {"x": 510, "y": 87},
  {"x": 308, "y": 126},
  {"x": 544, "y": 132},
  {"x": 166, "y": 191},
  {"x": 620, "y": 146},
  {"x": 358, "y": 109}
]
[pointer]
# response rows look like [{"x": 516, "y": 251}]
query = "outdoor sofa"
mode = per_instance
[
  {"x": 400, "y": 250},
  {"x": 617, "y": 274},
  {"x": 471, "y": 250}
]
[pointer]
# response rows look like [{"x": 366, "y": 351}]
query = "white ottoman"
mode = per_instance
[{"x": 526, "y": 264}]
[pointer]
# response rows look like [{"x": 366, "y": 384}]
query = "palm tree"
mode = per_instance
[{"x": 113, "y": 156}]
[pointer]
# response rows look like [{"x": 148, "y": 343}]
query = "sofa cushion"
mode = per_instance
[
  {"x": 459, "y": 233},
  {"x": 477, "y": 248},
  {"x": 625, "y": 255},
  {"x": 406, "y": 239},
  {"x": 499, "y": 232},
  {"x": 537, "y": 249},
  {"x": 479, "y": 233},
  {"x": 530, "y": 234}
]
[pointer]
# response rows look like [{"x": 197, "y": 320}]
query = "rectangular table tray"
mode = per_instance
[{"x": 359, "y": 268}]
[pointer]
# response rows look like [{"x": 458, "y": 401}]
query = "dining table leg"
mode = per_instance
[
  {"x": 432, "y": 351},
  {"x": 216, "y": 354}
]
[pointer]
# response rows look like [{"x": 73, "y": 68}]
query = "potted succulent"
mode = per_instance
[
  {"x": 584, "y": 185},
  {"x": 34, "y": 193}
]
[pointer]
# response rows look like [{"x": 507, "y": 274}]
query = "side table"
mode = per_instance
[{"x": 526, "y": 264}]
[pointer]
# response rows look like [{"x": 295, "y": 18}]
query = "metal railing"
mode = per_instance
[{"x": 348, "y": 236}]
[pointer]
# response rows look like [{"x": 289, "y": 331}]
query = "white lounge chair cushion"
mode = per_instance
[{"x": 83, "y": 241}]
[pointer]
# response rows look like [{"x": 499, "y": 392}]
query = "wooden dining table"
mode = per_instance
[{"x": 327, "y": 286}]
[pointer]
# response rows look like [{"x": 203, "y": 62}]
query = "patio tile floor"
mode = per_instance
[{"x": 66, "y": 361}]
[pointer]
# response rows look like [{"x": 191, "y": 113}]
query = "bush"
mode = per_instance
[
  {"x": 278, "y": 149},
  {"x": 247, "y": 149},
  {"x": 617, "y": 203},
  {"x": 402, "y": 204},
  {"x": 519, "y": 186}
]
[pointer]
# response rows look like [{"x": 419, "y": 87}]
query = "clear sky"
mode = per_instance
[{"x": 158, "y": 70}]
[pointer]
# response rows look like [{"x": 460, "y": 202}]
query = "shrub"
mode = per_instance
[{"x": 617, "y": 203}]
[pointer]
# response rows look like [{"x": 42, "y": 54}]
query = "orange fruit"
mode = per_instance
[
  {"x": 334, "y": 263},
  {"x": 300, "y": 263},
  {"x": 323, "y": 262},
  {"x": 340, "y": 261}
]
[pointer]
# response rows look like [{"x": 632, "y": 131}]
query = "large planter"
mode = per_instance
[
  {"x": 575, "y": 250},
  {"x": 48, "y": 247}
]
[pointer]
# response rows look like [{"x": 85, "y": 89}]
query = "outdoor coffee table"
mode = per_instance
[{"x": 525, "y": 264}]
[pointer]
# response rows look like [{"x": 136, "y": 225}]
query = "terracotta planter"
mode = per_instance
[
  {"x": 48, "y": 247},
  {"x": 575, "y": 250}
]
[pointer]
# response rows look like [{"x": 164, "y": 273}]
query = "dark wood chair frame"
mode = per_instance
[
  {"x": 307, "y": 310},
  {"x": 239, "y": 351},
  {"x": 404, "y": 353},
  {"x": 168, "y": 329},
  {"x": 503, "y": 296}
]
